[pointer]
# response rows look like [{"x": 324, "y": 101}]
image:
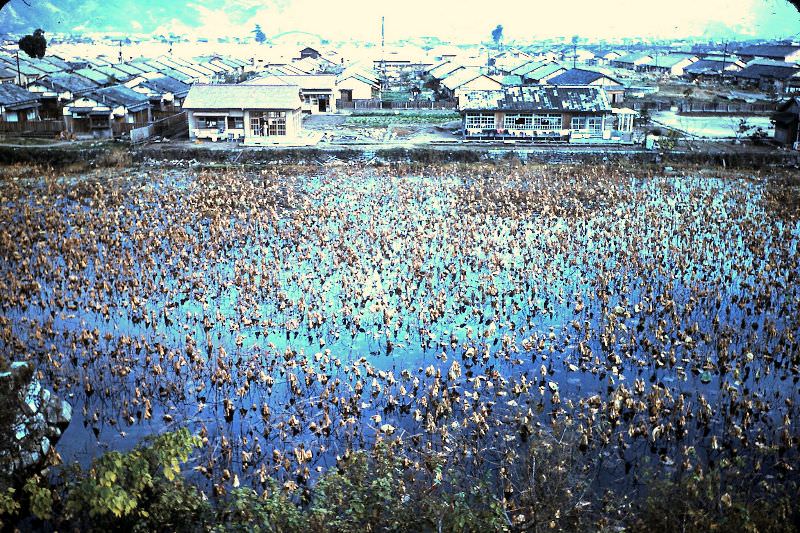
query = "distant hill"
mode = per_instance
[{"x": 133, "y": 16}]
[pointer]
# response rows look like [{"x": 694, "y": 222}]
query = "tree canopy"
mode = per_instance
[
  {"x": 497, "y": 34},
  {"x": 34, "y": 45},
  {"x": 259, "y": 35}
]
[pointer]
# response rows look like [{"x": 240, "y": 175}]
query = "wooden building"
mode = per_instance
[
  {"x": 573, "y": 114},
  {"x": 102, "y": 112},
  {"x": 671, "y": 64},
  {"x": 466, "y": 80},
  {"x": 17, "y": 104},
  {"x": 309, "y": 52},
  {"x": 787, "y": 123},
  {"x": 787, "y": 53},
  {"x": 356, "y": 85},
  {"x": 578, "y": 77},
  {"x": 317, "y": 91},
  {"x": 768, "y": 75},
  {"x": 166, "y": 94},
  {"x": 253, "y": 114}
]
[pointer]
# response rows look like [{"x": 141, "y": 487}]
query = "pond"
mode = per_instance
[{"x": 288, "y": 318}]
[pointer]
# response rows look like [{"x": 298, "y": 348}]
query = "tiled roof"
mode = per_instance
[
  {"x": 760, "y": 70},
  {"x": 243, "y": 97},
  {"x": 94, "y": 75},
  {"x": 121, "y": 95},
  {"x": 511, "y": 79},
  {"x": 304, "y": 81},
  {"x": 11, "y": 94},
  {"x": 710, "y": 65},
  {"x": 632, "y": 58},
  {"x": 769, "y": 50},
  {"x": 579, "y": 76},
  {"x": 58, "y": 62},
  {"x": 538, "y": 98},
  {"x": 460, "y": 78},
  {"x": 670, "y": 60},
  {"x": 165, "y": 84},
  {"x": 544, "y": 71},
  {"x": 443, "y": 70},
  {"x": 530, "y": 66},
  {"x": 115, "y": 73},
  {"x": 63, "y": 81}
]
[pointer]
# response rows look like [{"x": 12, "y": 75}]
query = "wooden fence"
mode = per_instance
[
  {"x": 122, "y": 128},
  {"x": 33, "y": 128},
  {"x": 384, "y": 104},
  {"x": 705, "y": 107},
  {"x": 170, "y": 126}
]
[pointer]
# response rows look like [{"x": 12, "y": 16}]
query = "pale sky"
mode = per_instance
[
  {"x": 468, "y": 21},
  {"x": 473, "y": 20}
]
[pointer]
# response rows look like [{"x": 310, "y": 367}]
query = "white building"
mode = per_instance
[{"x": 253, "y": 114}]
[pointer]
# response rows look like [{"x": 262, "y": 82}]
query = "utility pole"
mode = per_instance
[
  {"x": 19, "y": 75},
  {"x": 120, "y": 50},
  {"x": 384, "y": 82},
  {"x": 724, "y": 57}
]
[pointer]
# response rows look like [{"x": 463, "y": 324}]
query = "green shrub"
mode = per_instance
[
  {"x": 273, "y": 511},
  {"x": 137, "y": 488},
  {"x": 716, "y": 502}
]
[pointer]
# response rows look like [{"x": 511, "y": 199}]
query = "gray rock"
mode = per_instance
[{"x": 41, "y": 420}]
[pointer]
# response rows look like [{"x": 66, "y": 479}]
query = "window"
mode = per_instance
[
  {"x": 594, "y": 124},
  {"x": 547, "y": 122},
  {"x": 255, "y": 127},
  {"x": 269, "y": 123},
  {"x": 520, "y": 121},
  {"x": 480, "y": 121},
  {"x": 211, "y": 123},
  {"x": 235, "y": 123}
]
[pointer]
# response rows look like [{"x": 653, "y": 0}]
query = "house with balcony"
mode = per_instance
[{"x": 107, "y": 112}]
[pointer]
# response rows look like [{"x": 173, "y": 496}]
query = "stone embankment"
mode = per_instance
[{"x": 41, "y": 419}]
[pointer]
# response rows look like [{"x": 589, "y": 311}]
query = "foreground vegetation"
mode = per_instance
[{"x": 380, "y": 490}]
